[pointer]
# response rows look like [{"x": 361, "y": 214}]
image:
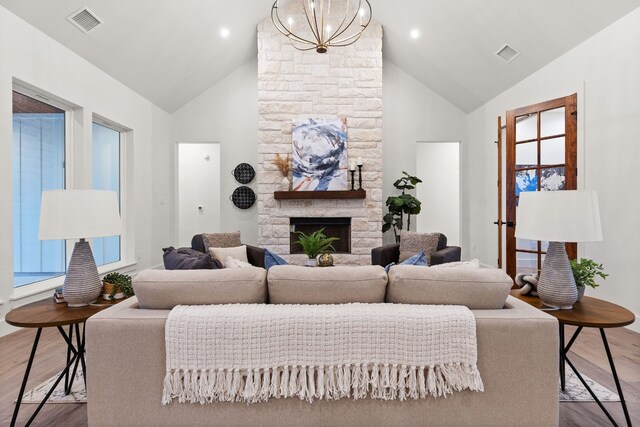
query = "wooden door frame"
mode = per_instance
[{"x": 571, "y": 171}]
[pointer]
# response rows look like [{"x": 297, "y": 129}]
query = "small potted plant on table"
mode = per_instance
[
  {"x": 585, "y": 271},
  {"x": 116, "y": 286},
  {"x": 314, "y": 244}
]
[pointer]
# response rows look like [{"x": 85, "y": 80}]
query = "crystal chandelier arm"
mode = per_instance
[
  {"x": 344, "y": 19},
  {"x": 354, "y": 37},
  {"x": 315, "y": 20},
  {"x": 277, "y": 22}
]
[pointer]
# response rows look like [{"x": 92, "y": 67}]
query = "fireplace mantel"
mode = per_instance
[{"x": 348, "y": 194}]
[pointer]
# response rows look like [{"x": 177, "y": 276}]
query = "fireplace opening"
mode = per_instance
[{"x": 333, "y": 227}]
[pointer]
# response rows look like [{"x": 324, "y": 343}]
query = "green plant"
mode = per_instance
[
  {"x": 585, "y": 271},
  {"x": 120, "y": 282},
  {"x": 399, "y": 206},
  {"x": 315, "y": 243}
]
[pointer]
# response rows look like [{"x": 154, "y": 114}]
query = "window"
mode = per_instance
[
  {"x": 38, "y": 165},
  {"x": 106, "y": 176}
]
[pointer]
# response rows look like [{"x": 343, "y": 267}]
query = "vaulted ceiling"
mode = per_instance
[{"x": 170, "y": 51}]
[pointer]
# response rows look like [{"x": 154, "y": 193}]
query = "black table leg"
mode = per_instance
[
  {"x": 26, "y": 377},
  {"x": 67, "y": 385},
  {"x": 53, "y": 387},
  {"x": 615, "y": 377},
  {"x": 562, "y": 353}
]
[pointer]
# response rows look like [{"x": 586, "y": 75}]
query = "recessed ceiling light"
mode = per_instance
[
  {"x": 224, "y": 33},
  {"x": 415, "y": 34}
]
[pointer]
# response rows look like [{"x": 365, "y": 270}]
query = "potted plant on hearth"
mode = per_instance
[
  {"x": 116, "y": 286},
  {"x": 585, "y": 271},
  {"x": 314, "y": 244}
]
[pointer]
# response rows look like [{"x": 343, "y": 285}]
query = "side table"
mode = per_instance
[
  {"x": 589, "y": 312},
  {"x": 47, "y": 314}
]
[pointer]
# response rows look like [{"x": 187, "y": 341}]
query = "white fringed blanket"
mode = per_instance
[{"x": 253, "y": 352}]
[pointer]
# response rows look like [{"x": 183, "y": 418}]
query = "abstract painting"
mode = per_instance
[{"x": 319, "y": 154}]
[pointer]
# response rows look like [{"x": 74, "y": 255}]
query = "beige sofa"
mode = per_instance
[{"x": 517, "y": 358}]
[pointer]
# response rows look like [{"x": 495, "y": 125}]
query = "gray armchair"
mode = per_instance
[{"x": 385, "y": 255}]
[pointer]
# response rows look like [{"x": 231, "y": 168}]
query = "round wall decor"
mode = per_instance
[
  {"x": 244, "y": 173},
  {"x": 243, "y": 197}
]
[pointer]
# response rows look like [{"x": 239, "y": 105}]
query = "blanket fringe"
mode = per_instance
[{"x": 358, "y": 381}]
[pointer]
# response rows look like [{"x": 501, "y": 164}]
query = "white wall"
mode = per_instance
[
  {"x": 604, "y": 72},
  {"x": 439, "y": 162},
  {"x": 412, "y": 112},
  {"x": 227, "y": 112},
  {"x": 31, "y": 56}
]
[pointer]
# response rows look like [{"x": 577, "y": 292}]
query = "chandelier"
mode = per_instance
[{"x": 321, "y": 30}]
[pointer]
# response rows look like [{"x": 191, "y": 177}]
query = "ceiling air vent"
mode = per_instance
[
  {"x": 84, "y": 19},
  {"x": 507, "y": 53}
]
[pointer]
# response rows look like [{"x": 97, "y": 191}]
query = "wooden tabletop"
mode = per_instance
[
  {"x": 47, "y": 313},
  {"x": 588, "y": 312}
]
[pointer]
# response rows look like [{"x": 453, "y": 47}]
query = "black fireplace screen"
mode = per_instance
[{"x": 333, "y": 227}]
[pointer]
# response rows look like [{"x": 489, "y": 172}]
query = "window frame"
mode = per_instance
[
  {"x": 123, "y": 131},
  {"x": 53, "y": 282}
]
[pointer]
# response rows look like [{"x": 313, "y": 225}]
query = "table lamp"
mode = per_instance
[
  {"x": 558, "y": 217},
  {"x": 79, "y": 214}
]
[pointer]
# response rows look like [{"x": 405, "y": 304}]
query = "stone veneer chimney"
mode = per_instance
[{"x": 346, "y": 82}]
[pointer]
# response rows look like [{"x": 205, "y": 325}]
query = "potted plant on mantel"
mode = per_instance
[
  {"x": 399, "y": 206},
  {"x": 314, "y": 244},
  {"x": 116, "y": 286},
  {"x": 584, "y": 272}
]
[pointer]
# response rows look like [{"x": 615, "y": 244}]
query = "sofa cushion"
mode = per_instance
[
  {"x": 482, "y": 288},
  {"x": 221, "y": 254},
  {"x": 289, "y": 284},
  {"x": 221, "y": 240},
  {"x": 164, "y": 289},
  {"x": 187, "y": 259},
  {"x": 474, "y": 263},
  {"x": 412, "y": 243}
]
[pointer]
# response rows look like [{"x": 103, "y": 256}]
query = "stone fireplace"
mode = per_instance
[{"x": 346, "y": 82}]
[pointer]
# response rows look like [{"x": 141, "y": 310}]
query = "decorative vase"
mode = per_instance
[
  {"x": 557, "y": 286},
  {"x": 82, "y": 285},
  {"x": 581, "y": 289},
  {"x": 311, "y": 262},
  {"x": 285, "y": 184},
  {"x": 325, "y": 260}
]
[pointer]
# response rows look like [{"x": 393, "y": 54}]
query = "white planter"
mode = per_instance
[{"x": 311, "y": 262}]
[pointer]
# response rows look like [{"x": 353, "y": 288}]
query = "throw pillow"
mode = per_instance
[
  {"x": 187, "y": 259},
  {"x": 412, "y": 243},
  {"x": 271, "y": 259},
  {"x": 418, "y": 259},
  {"x": 474, "y": 263},
  {"x": 231, "y": 262},
  {"x": 221, "y": 240},
  {"x": 221, "y": 254}
]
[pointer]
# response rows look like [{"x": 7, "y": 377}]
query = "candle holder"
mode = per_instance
[
  {"x": 353, "y": 180},
  {"x": 359, "y": 177}
]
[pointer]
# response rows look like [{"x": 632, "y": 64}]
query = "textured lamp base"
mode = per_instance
[
  {"x": 82, "y": 285},
  {"x": 557, "y": 287}
]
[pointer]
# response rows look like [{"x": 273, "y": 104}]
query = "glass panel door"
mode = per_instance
[{"x": 541, "y": 156}]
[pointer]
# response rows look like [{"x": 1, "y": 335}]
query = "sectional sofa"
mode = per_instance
[{"x": 517, "y": 348}]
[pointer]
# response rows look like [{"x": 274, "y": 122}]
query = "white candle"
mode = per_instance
[
  {"x": 352, "y": 166},
  {"x": 359, "y": 161}
]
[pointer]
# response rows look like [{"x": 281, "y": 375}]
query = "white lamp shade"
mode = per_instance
[
  {"x": 559, "y": 216},
  {"x": 76, "y": 214}
]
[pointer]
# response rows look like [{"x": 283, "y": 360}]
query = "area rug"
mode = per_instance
[
  {"x": 574, "y": 391},
  {"x": 78, "y": 393}
]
